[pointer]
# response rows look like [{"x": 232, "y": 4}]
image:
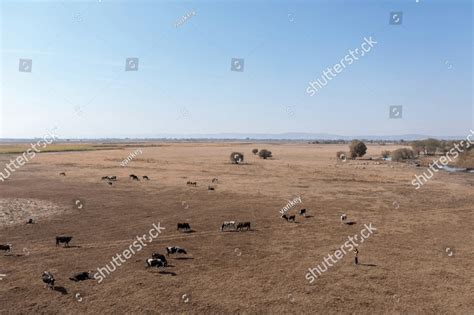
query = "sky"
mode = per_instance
[{"x": 185, "y": 85}]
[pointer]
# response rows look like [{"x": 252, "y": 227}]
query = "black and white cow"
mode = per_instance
[
  {"x": 160, "y": 257},
  {"x": 63, "y": 239},
  {"x": 81, "y": 276},
  {"x": 175, "y": 250},
  {"x": 183, "y": 226},
  {"x": 152, "y": 262},
  {"x": 243, "y": 225},
  {"x": 6, "y": 247},
  {"x": 228, "y": 225},
  {"x": 48, "y": 279},
  {"x": 343, "y": 218},
  {"x": 292, "y": 218},
  {"x": 302, "y": 212}
]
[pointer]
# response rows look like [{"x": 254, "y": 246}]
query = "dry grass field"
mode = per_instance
[{"x": 406, "y": 266}]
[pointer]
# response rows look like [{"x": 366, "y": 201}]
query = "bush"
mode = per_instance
[
  {"x": 357, "y": 148},
  {"x": 236, "y": 157},
  {"x": 265, "y": 154},
  {"x": 402, "y": 154},
  {"x": 255, "y": 151},
  {"x": 386, "y": 154}
]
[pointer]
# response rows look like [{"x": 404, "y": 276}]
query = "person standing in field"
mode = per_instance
[{"x": 356, "y": 258}]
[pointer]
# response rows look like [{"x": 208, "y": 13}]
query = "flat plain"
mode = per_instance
[{"x": 419, "y": 260}]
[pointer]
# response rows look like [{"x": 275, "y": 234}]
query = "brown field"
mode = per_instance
[{"x": 405, "y": 265}]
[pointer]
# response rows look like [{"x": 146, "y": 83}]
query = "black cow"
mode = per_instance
[
  {"x": 113, "y": 178},
  {"x": 183, "y": 226},
  {"x": 151, "y": 262},
  {"x": 48, "y": 279},
  {"x": 191, "y": 183},
  {"x": 105, "y": 177},
  {"x": 243, "y": 225},
  {"x": 81, "y": 276},
  {"x": 146, "y": 177},
  {"x": 210, "y": 188},
  {"x": 30, "y": 221},
  {"x": 63, "y": 239},
  {"x": 6, "y": 247},
  {"x": 215, "y": 180},
  {"x": 302, "y": 212},
  {"x": 160, "y": 257},
  {"x": 292, "y": 218},
  {"x": 284, "y": 217},
  {"x": 175, "y": 250},
  {"x": 62, "y": 174}
]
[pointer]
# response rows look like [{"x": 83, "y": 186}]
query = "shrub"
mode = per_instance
[
  {"x": 402, "y": 154},
  {"x": 255, "y": 151},
  {"x": 265, "y": 154},
  {"x": 386, "y": 154},
  {"x": 357, "y": 148},
  {"x": 236, "y": 157}
]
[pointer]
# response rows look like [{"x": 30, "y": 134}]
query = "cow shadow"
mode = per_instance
[
  {"x": 184, "y": 258},
  {"x": 73, "y": 246},
  {"x": 351, "y": 223},
  {"x": 309, "y": 216},
  {"x": 368, "y": 265},
  {"x": 61, "y": 290},
  {"x": 171, "y": 273},
  {"x": 188, "y": 231}
]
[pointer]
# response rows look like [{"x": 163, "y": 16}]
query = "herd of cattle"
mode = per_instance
[{"x": 157, "y": 260}]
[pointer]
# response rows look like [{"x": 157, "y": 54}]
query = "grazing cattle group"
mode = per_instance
[
  {"x": 292, "y": 218},
  {"x": 63, "y": 239},
  {"x": 235, "y": 226}
]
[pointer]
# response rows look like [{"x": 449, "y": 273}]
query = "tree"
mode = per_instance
[
  {"x": 265, "y": 154},
  {"x": 236, "y": 157},
  {"x": 255, "y": 151},
  {"x": 357, "y": 148},
  {"x": 402, "y": 154}
]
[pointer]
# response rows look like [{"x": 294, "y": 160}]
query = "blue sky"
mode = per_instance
[{"x": 184, "y": 83}]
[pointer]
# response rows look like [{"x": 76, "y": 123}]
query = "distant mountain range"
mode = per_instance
[{"x": 260, "y": 136}]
